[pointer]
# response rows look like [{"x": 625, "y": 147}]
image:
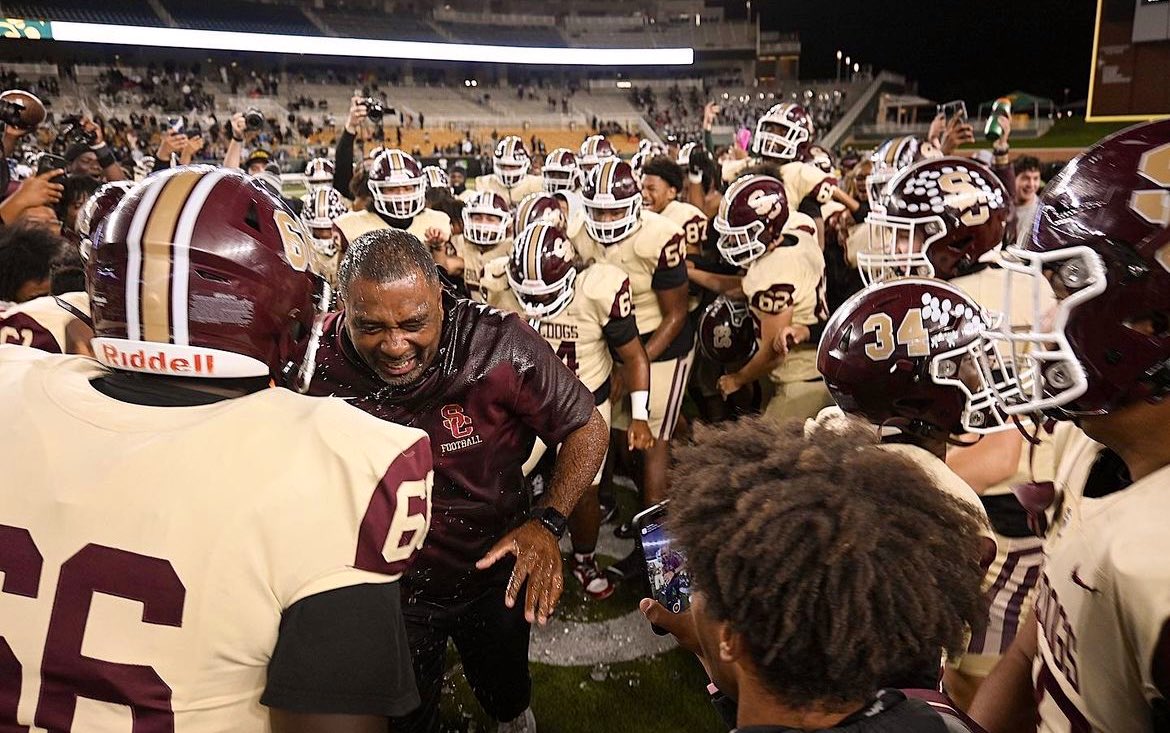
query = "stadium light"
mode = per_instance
[{"x": 131, "y": 35}]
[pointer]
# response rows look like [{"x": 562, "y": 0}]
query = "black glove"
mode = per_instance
[{"x": 699, "y": 161}]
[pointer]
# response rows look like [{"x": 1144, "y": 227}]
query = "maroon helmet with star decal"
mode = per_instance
[
  {"x": 940, "y": 216},
  {"x": 751, "y": 217},
  {"x": 541, "y": 270},
  {"x": 910, "y": 354},
  {"x": 201, "y": 272},
  {"x": 727, "y": 331},
  {"x": 1102, "y": 239}
]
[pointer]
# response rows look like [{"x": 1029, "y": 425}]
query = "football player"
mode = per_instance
[
  {"x": 319, "y": 172},
  {"x": 213, "y": 569},
  {"x": 586, "y": 314},
  {"x": 784, "y": 285},
  {"x": 593, "y": 151},
  {"x": 946, "y": 217},
  {"x": 1100, "y": 657},
  {"x": 321, "y": 207},
  {"x": 662, "y": 181},
  {"x": 398, "y": 191},
  {"x": 487, "y": 236},
  {"x": 436, "y": 178},
  {"x": 510, "y": 178},
  {"x": 784, "y": 137},
  {"x": 651, "y": 250},
  {"x": 561, "y": 172},
  {"x": 484, "y": 385},
  {"x": 903, "y": 355}
]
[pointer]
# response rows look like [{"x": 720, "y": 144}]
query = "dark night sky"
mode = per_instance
[{"x": 957, "y": 49}]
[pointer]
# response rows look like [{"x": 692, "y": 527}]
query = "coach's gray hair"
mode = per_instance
[{"x": 383, "y": 256}]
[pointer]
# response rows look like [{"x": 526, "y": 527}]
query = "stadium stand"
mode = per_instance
[
  {"x": 375, "y": 25},
  {"x": 221, "y": 15},
  {"x": 123, "y": 12}
]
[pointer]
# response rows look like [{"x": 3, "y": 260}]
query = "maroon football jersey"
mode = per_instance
[{"x": 495, "y": 386}]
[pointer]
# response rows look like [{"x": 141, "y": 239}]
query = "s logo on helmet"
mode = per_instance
[
  {"x": 764, "y": 204},
  {"x": 456, "y": 421}
]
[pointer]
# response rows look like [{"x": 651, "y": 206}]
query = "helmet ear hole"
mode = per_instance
[{"x": 252, "y": 217}]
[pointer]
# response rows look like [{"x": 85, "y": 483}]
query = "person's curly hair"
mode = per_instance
[{"x": 842, "y": 565}]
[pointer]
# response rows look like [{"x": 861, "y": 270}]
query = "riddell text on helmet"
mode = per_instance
[{"x": 159, "y": 361}]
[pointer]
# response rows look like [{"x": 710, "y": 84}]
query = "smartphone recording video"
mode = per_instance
[
  {"x": 666, "y": 565},
  {"x": 951, "y": 110}
]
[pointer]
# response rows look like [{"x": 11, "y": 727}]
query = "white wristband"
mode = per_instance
[{"x": 640, "y": 405}]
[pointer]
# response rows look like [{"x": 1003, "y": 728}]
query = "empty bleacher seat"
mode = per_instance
[
  {"x": 221, "y": 15},
  {"x": 117, "y": 12}
]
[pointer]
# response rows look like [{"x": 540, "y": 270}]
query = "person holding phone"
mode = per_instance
[{"x": 824, "y": 567}]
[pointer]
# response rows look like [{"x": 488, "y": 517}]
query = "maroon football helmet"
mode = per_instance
[
  {"x": 1102, "y": 238},
  {"x": 95, "y": 209},
  {"x": 940, "y": 217},
  {"x": 511, "y": 161},
  {"x": 538, "y": 208},
  {"x": 784, "y": 132},
  {"x": 613, "y": 201},
  {"x": 593, "y": 151},
  {"x": 201, "y": 272},
  {"x": 398, "y": 185},
  {"x": 486, "y": 219},
  {"x": 561, "y": 172},
  {"x": 910, "y": 354},
  {"x": 727, "y": 332},
  {"x": 541, "y": 270},
  {"x": 751, "y": 217}
]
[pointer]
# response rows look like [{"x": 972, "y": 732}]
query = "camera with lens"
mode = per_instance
[
  {"x": 74, "y": 133},
  {"x": 11, "y": 113},
  {"x": 21, "y": 109},
  {"x": 374, "y": 109},
  {"x": 253, "y": 119}
]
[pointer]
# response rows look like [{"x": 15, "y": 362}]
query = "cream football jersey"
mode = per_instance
[
  {"x": 1103, "y": 603},
  {"x": 353, "y": 224},
  {"x": 805, "y": 180},
  {"x": 513, "y": 195},
  {"x": 146, "y": 569},
  {"x": 692, "y": 221},
  {"x": 601, "y": 292},
  {"x": 495, "y": 289},
  {"x": 656, "y": 242},
  {"x": 475, "y": 259},
  {"x": 41, "y": 322},
  {"x": 791, "y": 277}
]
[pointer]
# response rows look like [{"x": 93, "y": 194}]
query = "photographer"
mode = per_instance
[
  {"x": 244, "y": 122},
  {"x": 823, "y": 568},
  {"x": 360, "y": 108},
  {"x": 88, "y": 154}
]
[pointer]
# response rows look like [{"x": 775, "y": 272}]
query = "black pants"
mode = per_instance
[{"x": 492, "y": 641}]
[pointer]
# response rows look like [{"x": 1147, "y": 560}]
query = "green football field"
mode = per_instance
[{"x": 598, "y": 668}]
